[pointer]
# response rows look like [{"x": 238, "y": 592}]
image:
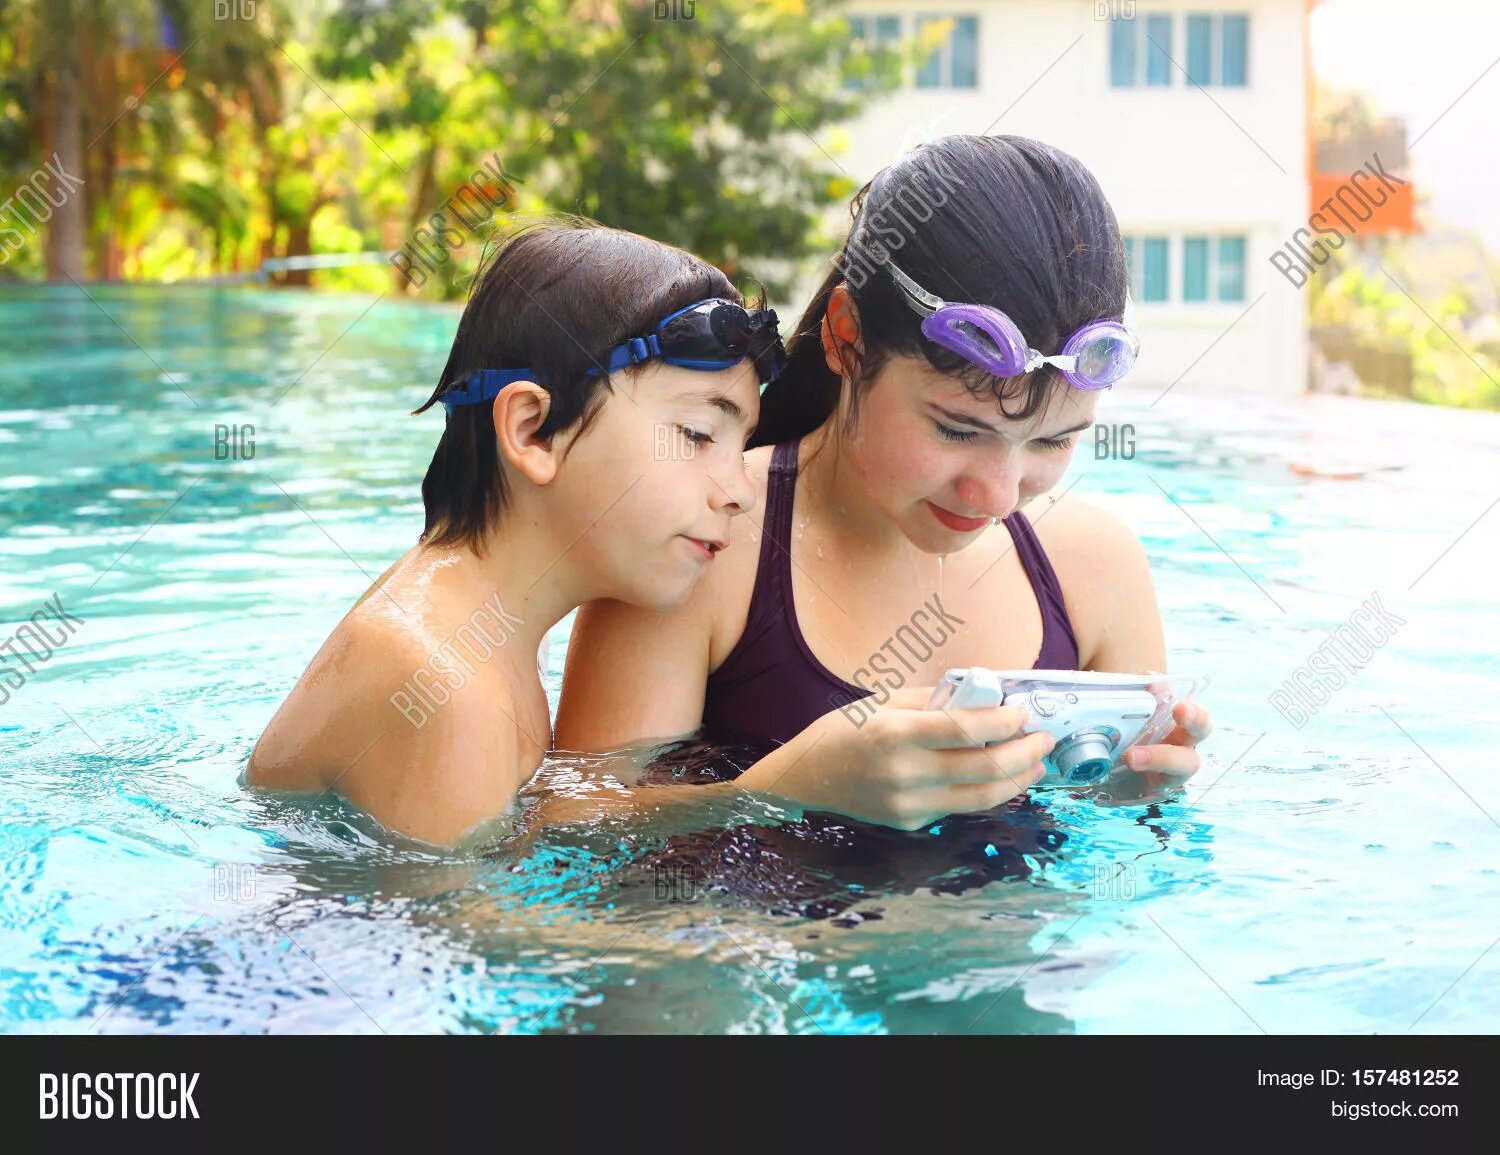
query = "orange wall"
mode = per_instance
[{"x": 1394, "y": 216}]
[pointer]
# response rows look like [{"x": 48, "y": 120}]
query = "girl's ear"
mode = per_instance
[
  {"x": 841, "y": 331},
  {"x": 519, "y": 411}
]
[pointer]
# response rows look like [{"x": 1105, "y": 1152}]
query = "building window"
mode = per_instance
[
  {"x": 1195, "y": 269},
  {"x": 1213, "y": 268},
  {"x": 1218, "y": 50},
  {"x": 1158, "y": 51},
  {"x": 1231, "y": 268},
  {"x": 1140, "y": 52},
  {"x": 870, "y": 34},
  {"x": 1122, "y": 53},
  {"x": 955, "y": 64},
  {"x": 1149, "y": 270}
]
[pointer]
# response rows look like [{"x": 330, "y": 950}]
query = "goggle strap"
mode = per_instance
[
  {"x": 484, "y": 385},
  {"x": 1068, "y": 363},
  {"x": 913, "y": 290},
  {"x": 632, "y": 352}
]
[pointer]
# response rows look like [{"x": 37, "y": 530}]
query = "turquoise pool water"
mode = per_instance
[{"x": 1340, "y": 877}]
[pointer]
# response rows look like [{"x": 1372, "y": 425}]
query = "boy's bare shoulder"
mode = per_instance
[
  {"x": 373, "y": 681},
  {"x": 428, "y": 749}
]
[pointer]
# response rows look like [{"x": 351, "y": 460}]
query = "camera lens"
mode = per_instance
[{"x": 1084, "y": 757}]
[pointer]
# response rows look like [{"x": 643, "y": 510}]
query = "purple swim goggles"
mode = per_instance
[{"x": 1094, "y": 358}]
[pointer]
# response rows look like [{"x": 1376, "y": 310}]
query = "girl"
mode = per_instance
[
  {"x": 915, "y": 418},
  {"x": 600, "y": 391}
]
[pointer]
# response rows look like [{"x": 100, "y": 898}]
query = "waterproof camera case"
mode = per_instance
[{"x": 1094, "y": 717}]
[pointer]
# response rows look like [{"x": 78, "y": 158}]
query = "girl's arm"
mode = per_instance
[{"x": 633, "y": 675}]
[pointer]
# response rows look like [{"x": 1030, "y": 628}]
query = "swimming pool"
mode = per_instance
[{"x": 1340, "y": 877}]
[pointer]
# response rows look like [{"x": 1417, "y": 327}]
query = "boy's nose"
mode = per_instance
[{"x": 731, "y": 488}]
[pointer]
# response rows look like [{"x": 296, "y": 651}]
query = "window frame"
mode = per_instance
[
  {"x": 1142, "y": 56},
  {"x": 1216, "y": 48},
  {"x": 942, "y": 59},
  {"x": 873, "y": 40},
  {"x": 1216, "y": 273}
]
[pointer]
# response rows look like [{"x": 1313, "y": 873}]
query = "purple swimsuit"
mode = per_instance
[{"x": 771, "y": 687}]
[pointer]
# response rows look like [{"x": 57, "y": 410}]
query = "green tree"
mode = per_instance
[
  {"x": 701, "y": 132},
  {"x": 216, "y": 143}
]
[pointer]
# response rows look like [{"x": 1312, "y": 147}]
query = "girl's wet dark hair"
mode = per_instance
[
  {"x": 554, "y": 295},
  {"x": 992, "y": 220}
]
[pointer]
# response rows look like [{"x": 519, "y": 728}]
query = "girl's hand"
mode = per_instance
[
  {"x": 904, "y": 766},
  {"x": 1174, "y": 760}
]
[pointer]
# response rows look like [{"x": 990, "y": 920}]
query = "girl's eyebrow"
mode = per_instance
[{"x": 965, "y": 419}]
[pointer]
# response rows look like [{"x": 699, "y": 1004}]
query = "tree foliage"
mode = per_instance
[{"x": 219, "y": 133}]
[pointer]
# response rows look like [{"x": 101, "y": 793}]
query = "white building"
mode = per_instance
[{"x": 1208, "y": 176}]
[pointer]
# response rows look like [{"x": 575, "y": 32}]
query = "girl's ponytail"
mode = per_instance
[{"x": 806, "y": 390}]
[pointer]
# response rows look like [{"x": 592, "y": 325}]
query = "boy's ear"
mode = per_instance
[
  {"x": 519, "y": 410},
  {"x": 841, "y": 332}
]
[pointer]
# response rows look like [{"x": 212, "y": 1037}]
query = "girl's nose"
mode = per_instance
[{"x": 994, "y": 493}]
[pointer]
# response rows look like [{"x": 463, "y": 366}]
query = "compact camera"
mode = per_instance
[{"x": 1094, "y": 717}]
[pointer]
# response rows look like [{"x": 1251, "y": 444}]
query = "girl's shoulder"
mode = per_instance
[
  {"x": 1100, "y": 563},
  {"x": 1079, "y": 532}
]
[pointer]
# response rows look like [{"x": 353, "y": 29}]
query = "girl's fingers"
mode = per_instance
[
  {"x": 1176, "y": 761},
  {"x": 1009, "y": 762},
  {"x": 971, "y": 797},
  {"x": 960, "y": 729},
  {"x": 1193, "y": 723}
]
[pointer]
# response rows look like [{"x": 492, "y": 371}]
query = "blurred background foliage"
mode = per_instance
[
  {"x": 214, "y": 135},
  {"x": 1413, "y": 316}
]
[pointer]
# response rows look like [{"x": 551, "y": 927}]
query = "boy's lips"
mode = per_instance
[
  {"x": 957, "y": 522},
  {"x": 708, "y": 546}
]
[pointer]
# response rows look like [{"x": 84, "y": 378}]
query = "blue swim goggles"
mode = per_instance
[{"x": 710, "y": 335}]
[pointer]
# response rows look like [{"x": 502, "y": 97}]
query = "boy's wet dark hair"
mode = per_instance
[
  {"x": 555, "y": 296},
  {"x": 991, "y": 220}
]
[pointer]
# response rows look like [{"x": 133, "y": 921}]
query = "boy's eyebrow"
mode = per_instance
[
  {"x": 965, "y": 419},
  {"x": 718, "y": 401}
]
